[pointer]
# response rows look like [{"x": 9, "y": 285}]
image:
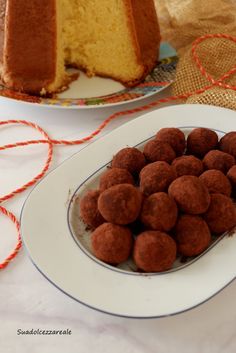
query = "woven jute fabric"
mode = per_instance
[
  {"x": 225, "y": 98},
  {"x": 217, "y": 55},
  {"x": 182, "y": 21}
]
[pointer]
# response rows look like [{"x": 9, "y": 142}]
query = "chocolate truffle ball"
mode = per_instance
[
  {"x": 218, "y": 160},
  {"x": 192, "y": 235},
  {"x": 115, "y": 176},
  {"x": 200, "y": 141},
  {"x": 89, "y": 209},
  {"x": 190, "y": 194},
  {"x": 120, "y": 204},
  {"x": 129, "y": 158},
  {"x": 221, "y": 214},
  {"x": 156, "y": 177},
  {"x": 156, "y": 150},
  {"x": 228, "y": 143},
  {"x": 187, "y": 165},
  {"x": 175, "y": 137},
  {"x": 232, "y": 177},
  {"x": 112, "y": 243},
  {"x": 154, "y": 251},
  {"x": 216, "y": 182},
  {"x": 159, "y": 212}
]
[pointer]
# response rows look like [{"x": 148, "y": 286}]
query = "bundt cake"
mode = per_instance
[{"x": 111, "y": 38}]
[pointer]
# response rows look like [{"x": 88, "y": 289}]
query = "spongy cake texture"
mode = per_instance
[{"x": 111, "y": 38}]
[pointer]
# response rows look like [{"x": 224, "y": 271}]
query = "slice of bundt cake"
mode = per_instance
[{"x": 112, "y": 38}]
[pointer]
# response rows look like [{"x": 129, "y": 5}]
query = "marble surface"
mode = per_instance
[{"x": 29, "y": 302}]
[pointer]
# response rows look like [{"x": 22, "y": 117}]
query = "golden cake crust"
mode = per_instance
[
  {"x": 148, "y": 32},
  {"x": 27, "y": 67}
]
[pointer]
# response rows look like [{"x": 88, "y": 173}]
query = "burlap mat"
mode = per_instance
[
  {"x": 182, "y": 21},
  {"x": 225, "y": 98}
]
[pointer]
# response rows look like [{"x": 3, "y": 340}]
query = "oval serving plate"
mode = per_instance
[{"x": 49, "y": 232}]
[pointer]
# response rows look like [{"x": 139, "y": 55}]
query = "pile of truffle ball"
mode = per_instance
[{"x": 165, "y": 201}]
